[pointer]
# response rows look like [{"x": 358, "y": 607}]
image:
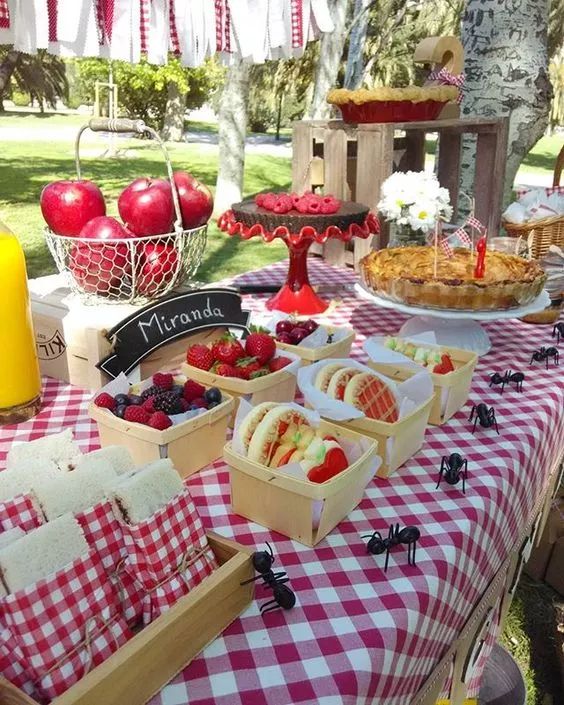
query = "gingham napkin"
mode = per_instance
[{"x": 21, "y": 511}]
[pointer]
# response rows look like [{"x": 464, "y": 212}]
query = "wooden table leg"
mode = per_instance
[
  {"x": 491, "y": 155},
  {"x": 449, "y": 146}
]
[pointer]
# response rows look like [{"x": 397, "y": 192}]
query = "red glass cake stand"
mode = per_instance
[{"x": 297, "y": 295}]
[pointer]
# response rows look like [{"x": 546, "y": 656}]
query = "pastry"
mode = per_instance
[
  {"x": 279, "y": 427},
  {"x": 325, "y": 374},
  {"x": 339, "y": 381},
  {"x": 406, "y": 275},
  {"x": 371, "y": 395}
]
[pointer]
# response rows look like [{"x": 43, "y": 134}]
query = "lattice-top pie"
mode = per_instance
[{"x": 406, "y": 275}]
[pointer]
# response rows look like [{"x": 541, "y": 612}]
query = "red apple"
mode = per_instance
[
  {"x": 146, "y": 207},
  {"x": 196, "y": 200},
  {"x": 68, "y": 205},
  {"x": 159, "y": 266}
]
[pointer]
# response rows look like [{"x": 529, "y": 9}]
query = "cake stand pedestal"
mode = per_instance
[{"x": 453, "y": 328}]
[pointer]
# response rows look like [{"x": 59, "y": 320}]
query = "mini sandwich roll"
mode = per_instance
[
  {"x": 248, "y": 425},
  {"x": 42, "y": 552},
  {"x": 117, "y": 457},
  {"x": 6, "y": 538},
  {"x": 325, "y": 374},
  {"x": 59, "y": 448},
  {"x": 274, "y": 424},
  {"x": 21, "y": 477},
  {"x": 339, "y": 381},
  {"x": 140, "y": 494}
]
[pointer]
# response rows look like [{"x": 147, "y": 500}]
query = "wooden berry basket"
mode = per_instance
[
  {"x": 407, "y": 436},
  {"x": 454, "y": 385},
  {"x": 286, "y": 504},
  {"x": 277, "y": 386},
  {"x": 166, "y": 646},
  {"x": 191, "y": 445},
  {"x": 308, "y": 356}
]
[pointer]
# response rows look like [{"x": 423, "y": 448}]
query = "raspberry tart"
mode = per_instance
[{"x": 407, "y": 275}]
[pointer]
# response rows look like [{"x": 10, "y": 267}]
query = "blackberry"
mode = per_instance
[
  {"x": 168, "y": 402},
  {"x": 178, "y": 389},
  {"x": 152, "y": 391}
]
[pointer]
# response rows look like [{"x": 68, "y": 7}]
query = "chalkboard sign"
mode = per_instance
[{"x": 163, "y": 321}]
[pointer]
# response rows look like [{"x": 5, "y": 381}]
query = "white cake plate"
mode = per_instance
[{"x": 453, "y": 328}]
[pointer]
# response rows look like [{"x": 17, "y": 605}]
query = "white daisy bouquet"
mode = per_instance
[{"x": 414, "y": 199}]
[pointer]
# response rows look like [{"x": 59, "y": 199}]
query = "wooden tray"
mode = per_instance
[
  {"x": 455, "y": 384},
  {"x": 191, "y": 445},
  {"x": 341, "y": 348},
  {"x": 286, "y": 504},
  {"x": 277, "y": 386},
  {"x": 140, "y": 668}
]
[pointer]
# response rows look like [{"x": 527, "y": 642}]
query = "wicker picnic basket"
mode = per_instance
[{"x": 541, "y": 234}]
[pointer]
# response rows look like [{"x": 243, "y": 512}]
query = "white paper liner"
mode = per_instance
[
  {"x": 121, "y": 385},
  {"x": 352, "y": 450},
  {"x": 316, "y": 339}
]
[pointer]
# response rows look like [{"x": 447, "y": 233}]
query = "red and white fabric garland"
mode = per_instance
[
  {"x": 446, "y": 78},
  {"x": 461, "y": 234},
  {"x": 253, "y": 30}
]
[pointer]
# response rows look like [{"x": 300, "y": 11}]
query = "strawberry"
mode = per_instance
[
  {"x": 334, "y": 462},
  {"x": 148, "y": 405},
  {"x": 278, "y": 363},
  {"x": 163, "y": 380},
  {"x": 192, "y": 390},
  {"x": 224, "y": 370},
  {"x": 160, "y": 421},
  {"x": 248, "y": 366},
  {"x": 444, "y": 366},
  {"x": 227, "y": 349},
  {"x": 136, "y": 414},
  {"x": 199, "y": 356},
  {"x": 105, "y": 401},
  {"x": 260, "y": 344},
  {"x": 260, "y": 373}
]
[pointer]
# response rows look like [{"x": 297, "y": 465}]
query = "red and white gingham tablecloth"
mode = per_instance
[{"x": 358, "y": 635}]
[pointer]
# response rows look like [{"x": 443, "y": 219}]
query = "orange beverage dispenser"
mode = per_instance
[{"x": 20, "y": 382}]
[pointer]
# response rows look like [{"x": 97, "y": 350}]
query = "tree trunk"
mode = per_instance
[
  {"x": 506, "y": 67},
  {"x": 7, "y": 67},
  {"x": 173, "y": 127},
  {"x": 355, "y": 56},
  {"x": 330, "y": 54},
  {"x": 232, "y": 128}
]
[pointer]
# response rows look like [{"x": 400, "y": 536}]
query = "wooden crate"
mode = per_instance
[
  {"x": 70, "y": 336},
  {"x": 142, "y": 666},
  {"x": 308, "y": 356},
  {"x": 191, "y": 445},
  {"x": 406, "y": 436},
  {"x": 287, "y": 504},
  {"x": 277, "y": 386},
  {"x": 351, "y": 162},
  {"x": 455, "y": 385}
]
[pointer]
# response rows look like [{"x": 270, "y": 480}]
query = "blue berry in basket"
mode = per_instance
[
  {"x": 119, "y": 411},
  {"x": 212, "y": 396},
  {"x": 135, "y": 400},
  {"x": 213, "y": 404},
  {"x": 122, "y": 399},
  {"x": 178, "y": 389}
]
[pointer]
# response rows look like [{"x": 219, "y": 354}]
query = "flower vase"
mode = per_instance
[{"x": 406, "y": 236}]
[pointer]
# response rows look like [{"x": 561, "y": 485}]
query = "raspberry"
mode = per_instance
[
  {"x": 329, "y": 204},
  {"x": 148, "y": 405},
  {"x": 259, "y": 199},
  {"x": 193, "y": 390},
  {"x": 160, "y": 421},
  {"x": 136, "y": 414},
  {"x": 313, "y": 206},
  {"x": 105, "y": 401},
  {"x": 199, "y": 403},
  {"x": 163, "y": 380},
  {"x": 302, "y": 205},
  {"x": 269, "y": 201}
]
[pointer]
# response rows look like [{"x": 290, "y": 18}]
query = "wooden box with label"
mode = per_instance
[{"x": 71, "y": 335}]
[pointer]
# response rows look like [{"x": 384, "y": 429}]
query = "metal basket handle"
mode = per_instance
[{"x": 124, "y": 125}]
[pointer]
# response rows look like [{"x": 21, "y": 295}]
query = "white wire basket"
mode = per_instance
[{"x": 132, "y": 270}]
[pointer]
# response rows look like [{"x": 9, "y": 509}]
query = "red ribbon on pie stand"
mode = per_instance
[{"x": 297, "y": 295}]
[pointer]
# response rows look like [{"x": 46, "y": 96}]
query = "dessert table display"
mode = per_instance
[{"x": 359, "y": 632}]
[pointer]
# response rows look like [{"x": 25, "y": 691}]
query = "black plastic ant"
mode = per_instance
[
  {"x": 544, "y": 355},
  {"x": 453, "y": 467},
  {"x": 558, "y": 331},
  {"x": 283, "y": 596},
  {"x": 408, "y": 535},
  {"x": 509, "y": 376},
  {"x": 483, "y": 415}
]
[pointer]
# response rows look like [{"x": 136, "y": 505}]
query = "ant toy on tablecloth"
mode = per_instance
[
  {"x": 453, "y": 468},
  {"x": 408, "y": 536},
  {"x": 558, "y": 331},
  {"x": 484, "y": 416},
  {"x": 506, "y": 378},
  {"x": 283, "y": 596},
  {"x": 544, "y": 355}
]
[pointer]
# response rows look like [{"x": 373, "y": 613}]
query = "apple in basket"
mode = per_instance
[
  {"x": 196, "y": 200},
  {"x": 146, "y": 207},
  {"x": 68, "y": 205},
  {"x": 159, "y": 264},
  {"x": 98, "y": 267}
]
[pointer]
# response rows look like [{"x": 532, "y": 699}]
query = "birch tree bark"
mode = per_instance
[
  {"x": 506, "y": 67},
  {"x": 232, "y": 128},
  {"x": 355, "y": 58},
  {"x": 173, "y": 127},
  {"x": 330, "y": 54}
]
